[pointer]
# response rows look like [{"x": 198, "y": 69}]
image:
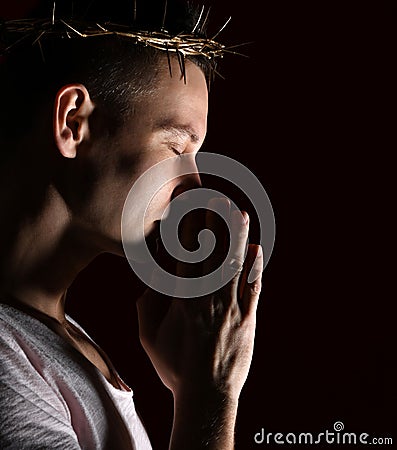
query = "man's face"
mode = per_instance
[{"x": 173, "y": 120}]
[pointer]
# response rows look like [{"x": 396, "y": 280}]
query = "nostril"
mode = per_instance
[
  {"x": 193, "y": 182},
  {"x": 179, "y": 190}
]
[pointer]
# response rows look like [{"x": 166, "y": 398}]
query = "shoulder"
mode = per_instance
[{"x": 27, "y": 399}]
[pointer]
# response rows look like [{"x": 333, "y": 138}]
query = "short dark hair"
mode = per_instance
[{"x": 114, "y": 69}]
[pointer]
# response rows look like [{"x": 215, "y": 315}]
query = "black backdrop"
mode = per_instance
[{"x": 307, "y": 113}]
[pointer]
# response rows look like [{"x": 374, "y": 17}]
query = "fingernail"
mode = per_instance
[
  {"x": 246, "y": 216},
  {"x": 253, "y": 275},
  {"x": 240, "y": 217},
  {"x": 255, "y": 272}
]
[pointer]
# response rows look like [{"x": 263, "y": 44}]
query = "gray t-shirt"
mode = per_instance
[{"x": 53, "y": 398}]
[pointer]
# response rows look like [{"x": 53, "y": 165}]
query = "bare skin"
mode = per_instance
[{"x": 52, "y": 228}]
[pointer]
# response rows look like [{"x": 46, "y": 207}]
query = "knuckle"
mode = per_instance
[{"x": 256, "y": 287}]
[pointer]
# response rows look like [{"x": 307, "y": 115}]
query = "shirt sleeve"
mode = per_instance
[{"x": 32, "y": 416}]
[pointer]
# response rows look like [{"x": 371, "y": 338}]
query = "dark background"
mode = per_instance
[{"x": 308, "y": 112}]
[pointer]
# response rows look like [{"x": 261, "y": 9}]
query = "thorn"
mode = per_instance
[
  {"x": 205, "y": 20},
  {"x": 38, "y": 37},
  {"x": 217, "y": 73},
  {"x": 88, "y": 8},
  {"x": 240, "y": 45},
  {"x": 53, "y": 13},
  {"x": 228, "y": 20},
  {"x": 41, "y": 51},
  {"x": 73, "y": 29},
  {"x": 198, "y": 21},
  {"x": 164, "y": 15},
  {"x": 184, "y": 67},
  {"x": 169, "y": 61},
  {"x": 181, "y": 61},
  {"x": 226, "y": 50},
  {"x": 101, "y": 27},
  {"x": 134, "y": 10},
  {"x": 16, "y": 43}
]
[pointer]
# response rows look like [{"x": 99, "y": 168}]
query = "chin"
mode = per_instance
[
  {"x": 116, "y": 249},
  {"x": 113, "y": 245}
]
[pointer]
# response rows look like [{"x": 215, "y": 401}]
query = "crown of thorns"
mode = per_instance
[{"x": 16, "y": 32}]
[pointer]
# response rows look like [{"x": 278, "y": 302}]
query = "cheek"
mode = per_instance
[{"x": 160, "y": 201}]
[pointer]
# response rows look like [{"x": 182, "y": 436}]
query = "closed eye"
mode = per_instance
[{"x": 176, "y": 148}]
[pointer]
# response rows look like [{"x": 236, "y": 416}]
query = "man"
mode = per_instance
[{"x": 80, "y": 125}]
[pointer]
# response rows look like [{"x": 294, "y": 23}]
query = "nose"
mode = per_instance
[{"x": 187, "y": 182}]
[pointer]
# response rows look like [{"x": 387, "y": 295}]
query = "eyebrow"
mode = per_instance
[{"x": 178, "y": 130}]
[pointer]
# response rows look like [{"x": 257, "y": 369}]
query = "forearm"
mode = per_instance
[{"x": 203, "y": 421}]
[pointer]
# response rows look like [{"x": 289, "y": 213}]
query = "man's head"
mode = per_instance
[
  {"x": 96, "y": 172},
  {"x": 114, "y": 69},
  {"x": 114, "y": 110}
]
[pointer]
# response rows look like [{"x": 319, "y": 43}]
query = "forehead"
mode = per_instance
[{"x": 175, "y": 100}]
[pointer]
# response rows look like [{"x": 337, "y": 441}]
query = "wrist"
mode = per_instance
[
  {"x": 207, "y": 399},
  {"x": 204, "y": 418},
  {"x": 196, "y": 391}
]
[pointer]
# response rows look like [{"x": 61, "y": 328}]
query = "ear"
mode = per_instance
[{"x": 72, "y": 110}]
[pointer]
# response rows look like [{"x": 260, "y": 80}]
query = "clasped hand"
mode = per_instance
[{"x": 206, "y": 344}]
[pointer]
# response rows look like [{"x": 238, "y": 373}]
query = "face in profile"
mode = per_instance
[{"x": 169, "y": 122}]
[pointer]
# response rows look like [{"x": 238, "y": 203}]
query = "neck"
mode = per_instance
[{"x": 42, "y": 250}]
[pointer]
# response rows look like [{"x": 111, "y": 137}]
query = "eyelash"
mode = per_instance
[{"x": 178, "y": 153}]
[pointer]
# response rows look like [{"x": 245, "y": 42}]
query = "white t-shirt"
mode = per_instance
[{"x": 53, "y": 398}]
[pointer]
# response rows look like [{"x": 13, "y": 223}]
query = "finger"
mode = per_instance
[
  {"x": 253, "y": 281},
  {"x": 249, "y": 260},
  {"x": 217, "y": 216},
  {"x": 233, "y": 267},
  {"x": 215, "y": 223},
  {"x": 190, "y": 226}
]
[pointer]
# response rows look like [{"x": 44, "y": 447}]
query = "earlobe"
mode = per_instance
[{"x": 72, "y": 109}]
